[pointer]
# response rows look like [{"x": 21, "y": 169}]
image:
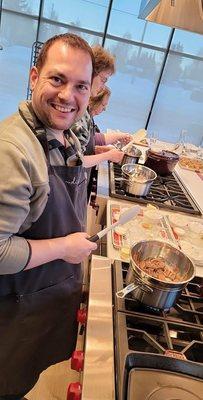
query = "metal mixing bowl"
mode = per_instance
[{"x": 137, "y": 179}]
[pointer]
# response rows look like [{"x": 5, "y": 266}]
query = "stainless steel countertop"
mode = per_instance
[{"x": 98, "y": 376}]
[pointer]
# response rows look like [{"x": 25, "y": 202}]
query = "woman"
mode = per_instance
[{"x": 100, "y": 140}]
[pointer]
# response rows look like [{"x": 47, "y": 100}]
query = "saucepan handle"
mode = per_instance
[
  {"x": 132, "y": 286},
  {"x": 122, "y": 293}
]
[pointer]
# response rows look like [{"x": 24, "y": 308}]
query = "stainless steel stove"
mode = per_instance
[
  {"x": 167, "y": 192},
  {"x": 158, "y": 355}
]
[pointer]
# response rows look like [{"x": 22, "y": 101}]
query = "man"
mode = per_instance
[
  {"x": 42, "y": 207},
  {"x": 104, "y": 69},
  {"x": 84, "y": 129}
]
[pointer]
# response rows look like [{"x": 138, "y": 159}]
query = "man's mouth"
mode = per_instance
[{"x": 63, "y": 109}]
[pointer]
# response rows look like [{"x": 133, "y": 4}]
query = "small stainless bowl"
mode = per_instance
[{"x": 137, "y": 179}]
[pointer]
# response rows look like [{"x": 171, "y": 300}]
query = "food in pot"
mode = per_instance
[{"x": 160, "y": 269}]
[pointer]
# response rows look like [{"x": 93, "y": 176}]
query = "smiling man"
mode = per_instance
[{"x": 42, "y": 214}]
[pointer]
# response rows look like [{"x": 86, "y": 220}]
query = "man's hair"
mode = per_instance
[
  {"x": 104, "y": 61},
  {"x": 71, "y": 40},
  {"x": 97, "y": 100}
]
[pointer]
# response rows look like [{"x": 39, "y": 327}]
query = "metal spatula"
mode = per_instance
[{"x": 123, "y": 219}]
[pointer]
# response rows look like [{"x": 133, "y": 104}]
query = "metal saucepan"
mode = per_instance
[
  {"x": 137, "y": 179},
  {"x": 152, "y": 291},
  {"x": 131, "y": 156}
]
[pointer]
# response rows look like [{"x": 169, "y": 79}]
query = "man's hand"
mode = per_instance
[
  {"x": 72, "y": 248},
  {"x": 77, "y": 247}
]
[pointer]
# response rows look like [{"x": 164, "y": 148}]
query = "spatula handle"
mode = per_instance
[{"x": 93, "y": 238}]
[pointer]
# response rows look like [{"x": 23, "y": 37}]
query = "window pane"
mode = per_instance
[
  {"x": 15, "y": 60},
  {"x": 30, "y": 7},
  {"x": 179, "y": 101},
  {"x": 188, "y": 42},
  {"x": 49, "y": 30},
  {"x": 124, "y": 23},
  {"x": 133, "y": 85},
  {"x": 82, "y": 13}
]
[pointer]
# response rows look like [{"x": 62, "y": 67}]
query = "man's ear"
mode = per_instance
[{"x": 34, "y": 75}]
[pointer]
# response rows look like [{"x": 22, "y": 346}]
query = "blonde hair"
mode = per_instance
[
  {"x": 95, "y": 101},
  {"x": 103, "y": 60}
]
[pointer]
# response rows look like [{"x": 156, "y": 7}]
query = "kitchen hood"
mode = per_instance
[{"x": 181, "y": 14}]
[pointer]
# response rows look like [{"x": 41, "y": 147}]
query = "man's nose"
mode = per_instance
[{"x": 66, "y": 92}]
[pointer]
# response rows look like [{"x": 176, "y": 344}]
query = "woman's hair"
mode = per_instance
[
  {"x": 104, "y": 61},
  {"x": 71, "y": 40},
  {"x": 94, "y": 102}
]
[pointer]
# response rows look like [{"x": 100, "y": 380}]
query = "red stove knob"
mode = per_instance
[
  {"x": 77, "y": 360},
  {"x": 74, "y": 391},
  {"x": 82, "y": 316}
]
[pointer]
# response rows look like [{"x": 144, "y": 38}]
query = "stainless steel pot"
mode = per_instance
[
  {"x": 137, "y": 179},
  {"x": 151, "y": 291},
  {"x": 131, "y": 156}
]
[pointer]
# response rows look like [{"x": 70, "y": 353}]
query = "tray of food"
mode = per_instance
[
  {"x": 189, "y": 236},
  {"x": 191, "y": 164},
  {"x": 148, "y": 224}
]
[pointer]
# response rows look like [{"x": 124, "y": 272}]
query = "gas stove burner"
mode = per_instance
[
  {"x": 167, "y": 192},
  {"x": 164, "y": 349}
]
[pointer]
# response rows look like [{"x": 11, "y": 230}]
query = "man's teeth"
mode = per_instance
[{"x": 63, "y": 109}]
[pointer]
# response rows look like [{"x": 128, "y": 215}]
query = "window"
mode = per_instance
[{"x": 15, "y": 59}]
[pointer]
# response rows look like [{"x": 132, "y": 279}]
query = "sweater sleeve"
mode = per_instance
[
  {"x": 99, "y": 139},
  {"x": 15, "y": 193}
]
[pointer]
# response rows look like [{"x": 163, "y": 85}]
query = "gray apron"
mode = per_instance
[{"x": 38, "y": 307}]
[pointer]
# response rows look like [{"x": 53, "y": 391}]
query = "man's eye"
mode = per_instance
[
  {"x": 83, "y": 88},
  {"x": 56, "y": 80}
]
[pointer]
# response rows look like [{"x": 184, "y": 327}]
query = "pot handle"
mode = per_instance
[
  {"x": 133, "y": 286},
  {"x": 122, "y": 293}
]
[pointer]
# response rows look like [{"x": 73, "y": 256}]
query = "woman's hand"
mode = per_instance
[
  {"x": 114, "y": 136},
  {"x": 115, "y": 155}
]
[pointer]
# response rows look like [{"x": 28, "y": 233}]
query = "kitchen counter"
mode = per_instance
[
  {"x": 113, "y": 253},
  {"x": 191, "y": 181}
]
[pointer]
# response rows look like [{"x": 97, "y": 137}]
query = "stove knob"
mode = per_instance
[
  {"x": 77, "y": 360},
  {"x": 74, "y": 391},
  {"x": 82, "y": 316}
]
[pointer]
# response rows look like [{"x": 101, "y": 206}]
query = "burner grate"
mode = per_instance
[
  {"x": 167, "y": 192},
  {"x": 153, "y": 340}
]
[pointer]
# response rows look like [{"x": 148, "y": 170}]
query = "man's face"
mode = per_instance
[
  {"x": 99, "y": 81},
  {"x": 61, "y": 89}
]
